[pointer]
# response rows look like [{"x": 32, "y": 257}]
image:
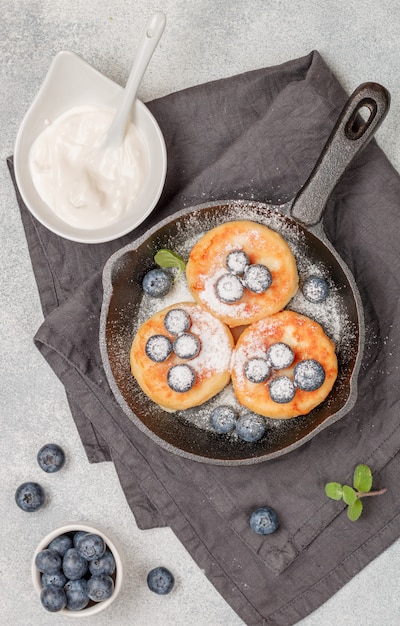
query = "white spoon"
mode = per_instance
[{"x": 147, "y": 45}]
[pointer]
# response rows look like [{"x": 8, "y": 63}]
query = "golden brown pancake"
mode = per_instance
[
  {"x": 210, "y": 366},
  {"x": 306, "y": 339},
  {"x": 263, "y": 246}
]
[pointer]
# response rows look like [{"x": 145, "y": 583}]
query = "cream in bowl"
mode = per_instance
[
  {"x": 87, "y": 183},
  {"x": 77, "y": 570},
  {"x": 65, "y": 128}
]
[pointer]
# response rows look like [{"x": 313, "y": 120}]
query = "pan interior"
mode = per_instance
[{"x": 187, "y": 432}]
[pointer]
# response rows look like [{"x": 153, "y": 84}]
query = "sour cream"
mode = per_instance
[{"x": 86, "y": 184}]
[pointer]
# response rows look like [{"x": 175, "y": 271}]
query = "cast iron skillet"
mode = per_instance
[{"x": 187, "y": 433}]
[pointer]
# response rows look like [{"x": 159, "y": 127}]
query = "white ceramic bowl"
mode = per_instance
[
  {"x": 72, "y": 82},
  {"x": 92, "y": 608}
]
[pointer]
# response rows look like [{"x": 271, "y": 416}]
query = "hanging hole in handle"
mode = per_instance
[{"x": 361, "y": 118}]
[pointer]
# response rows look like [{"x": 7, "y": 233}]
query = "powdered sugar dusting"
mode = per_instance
[
  {"x": 214, "y": 303},
  {"x": 149, "y": 306},
  {"x": 187, "y": 346},
  {"x": 216, "y": 351},
  {"x": 331, "y": 314}
]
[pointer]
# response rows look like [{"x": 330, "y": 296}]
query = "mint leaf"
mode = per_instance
[
  {"x": 334, "y": 491},
  {"x": 349, "y": 495},
  {"x": 354, "y": 510},
  {"x": 362, "y": 484},
  {"x": 167, "y": 258},
  {"x": 362, "y": 479}
]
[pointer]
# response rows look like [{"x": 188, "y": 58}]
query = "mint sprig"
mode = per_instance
[
  {"x": 166, "y": 258},
  {"x": 362, "y": 485}
]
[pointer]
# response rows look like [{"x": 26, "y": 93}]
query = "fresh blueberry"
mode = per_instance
[
  {"x": 91, "y": 547},
  {"x": 250, "y": 427},
  {"x": 158, "y": 348},
  {"x": 74, "y": 565},
  {"x": 309, "y": 375},
  {"x": 58, "y": 579},
  {"x": 76, "y": 593},
  {"x": 282, "y": 389},
  {"x": 181, "y": 377},
  {"x": 280, "y": 355},
  {"x": 160, "y": 580},
  {"x": 51, "y": 458},
  {"x": 187, "y": 346},
  {"x": 229, "y": 288},
  {"x": 177, "y": 321},
  {"x": 77, "y": 537},
  {"x": 257, "y": 370},
  {"x": 264, "y": 521},
  {"x": 60, "y": 544},
  {"x": 315, "y": 289},
  {"x": 48, "y": 561},
  {"x": 237, "y": 261},
  {"x": 223, "y": 418},
  {"x": 100, "y": 587},
  {"x": 103, "y": 565},
  {"x": 157, "y": 283},
  {"x": 29, "y": 497},
  {"x": 53, "y": 598},
  {"x": 257, "y": 278}
]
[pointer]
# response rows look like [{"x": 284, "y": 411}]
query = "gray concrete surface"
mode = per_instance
[{"x": 204, "y": 40}]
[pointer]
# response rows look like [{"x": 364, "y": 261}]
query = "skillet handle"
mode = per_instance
[{"x": 349, "y": 135}]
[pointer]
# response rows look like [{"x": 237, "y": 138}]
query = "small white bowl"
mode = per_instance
[
  {"x": 92, "y": 608},
  {"x": 72, "y": 82}
]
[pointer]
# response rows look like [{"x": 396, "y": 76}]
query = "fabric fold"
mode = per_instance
[{"x": 255, "y": 136}]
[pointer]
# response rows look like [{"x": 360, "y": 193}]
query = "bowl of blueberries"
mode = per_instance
[{"x": 77, "y": 570}]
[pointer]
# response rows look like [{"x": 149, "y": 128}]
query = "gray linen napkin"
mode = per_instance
[{"x": 256, "y": 136}]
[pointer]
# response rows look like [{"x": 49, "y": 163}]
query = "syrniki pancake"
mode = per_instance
[
  {"x": 181, "y": 356},
  {"x": 242, "y": 271},
  {"x": 283, "y": 366}
]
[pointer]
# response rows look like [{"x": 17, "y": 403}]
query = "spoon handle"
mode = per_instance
[{"x": 147, "y": 45}]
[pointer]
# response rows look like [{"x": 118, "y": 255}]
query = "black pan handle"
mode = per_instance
[{"x": 350, "y": 133}]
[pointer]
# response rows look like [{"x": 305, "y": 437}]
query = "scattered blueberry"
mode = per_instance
[
  {"x": 229, "y": 288},
  {"x": 160, "y": 580},
  {"x": 264, "y": 521},
  {"x": 257, "y": 370},
  {"x": 257, "y": 278},
  {"x": 48, "y": 562},
  {"x": 77, "y": 537},
  {"x": 103, "y": 565},
  {"x": 181, "y": 377},
  {"x": 282, "y": 389},
  {"x": 280, "y": 355},
  {"x": 91, "y": 547},
  {"x": 58, "y": 579},
  {"x": 187, "y": 346},
  {"x": 237, "y": 261},
  {"x": 177, "y": 321},
  {"x": 309, "y": 375},
  {"x": 53, "y": 598},
  {"x": 29, "y": 497},
  {"x": 74, "y": 565},
  {"x": 315, "y": 289},
  {"x": 76, "y": 593},
  {"x": 51, "y": 458},
  {"x": 250, "y": 427},
  {"x": 157, "y": 283},
  {"x": 60, "y": 544},
  {"x": 223, "y": 418},
  {"x": 100, "y": 587},
  {"x": 158, "y": 348}
]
